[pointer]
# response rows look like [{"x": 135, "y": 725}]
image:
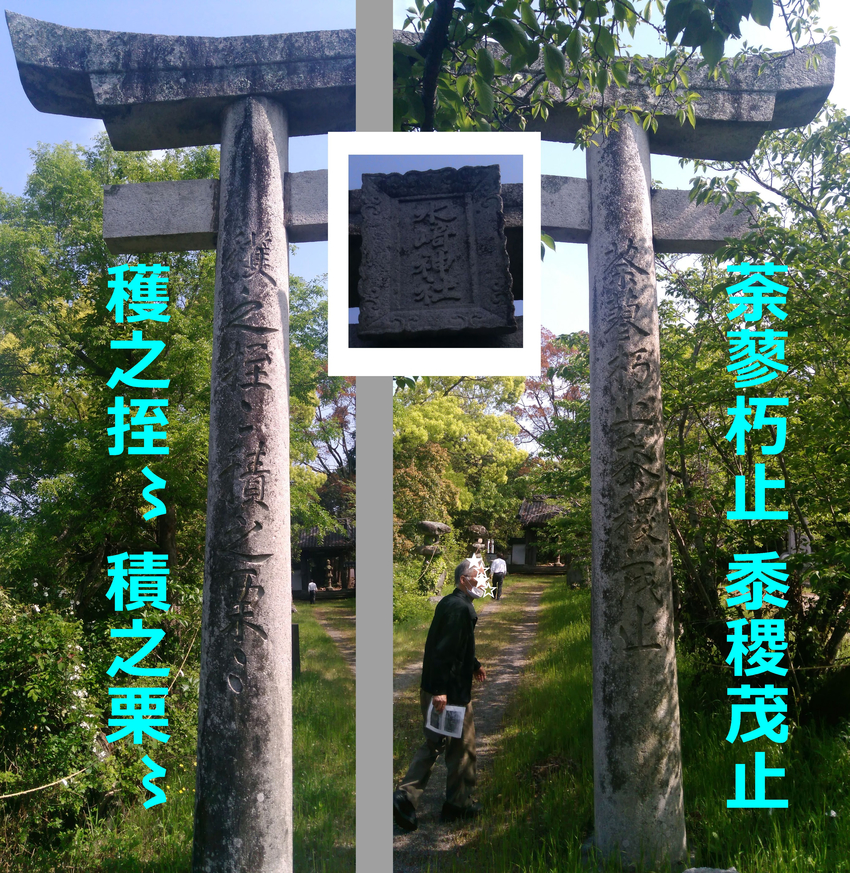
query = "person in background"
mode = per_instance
[
  {"x": 312, "y": 589},
  {"x": 498, "y": 571}
]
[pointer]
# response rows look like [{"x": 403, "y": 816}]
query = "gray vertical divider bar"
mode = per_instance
[
  {"x": 374, "y": 506},
  {"x": 374, "y": 623}
]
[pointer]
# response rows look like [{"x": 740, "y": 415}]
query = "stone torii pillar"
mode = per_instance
[
  {"x": 250, "y": 94},
  {"x": 638, "y": 805},
  {"x": 177, "y": 211}
]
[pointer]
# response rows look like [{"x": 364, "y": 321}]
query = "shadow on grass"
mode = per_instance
[{"x": 539, "y": 797}]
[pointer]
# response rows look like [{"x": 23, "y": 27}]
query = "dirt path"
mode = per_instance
[
  {"x": 423, "y": 850},
  {"x": 345, "y": 641}
]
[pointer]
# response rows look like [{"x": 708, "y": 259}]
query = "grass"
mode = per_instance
[
  {"x": 538, "y": 798},
  {"x": 159, "y": 840},
  {"x": 324, "y": 750}
]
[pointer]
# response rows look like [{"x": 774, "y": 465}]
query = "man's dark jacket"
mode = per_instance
[{"x": 450, "y": 661}]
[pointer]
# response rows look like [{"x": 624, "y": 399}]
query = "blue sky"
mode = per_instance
[
  {"x": 564, "y": 272},
  {"x": 24, "y": 126}
]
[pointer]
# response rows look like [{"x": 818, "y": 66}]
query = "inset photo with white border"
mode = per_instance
[{"x": 434, "y": 253}]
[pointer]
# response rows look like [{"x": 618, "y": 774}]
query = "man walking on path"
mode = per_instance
[
  {"x": 312, "y": 588},
  {"x": 448, "y": 668},
  {"x": 498, "y": 571}
]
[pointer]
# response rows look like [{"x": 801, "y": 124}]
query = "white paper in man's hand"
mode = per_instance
[{"x": 449, "y": 722}]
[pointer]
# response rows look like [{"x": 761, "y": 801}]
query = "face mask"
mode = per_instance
[{"x": 478, "y": 590}]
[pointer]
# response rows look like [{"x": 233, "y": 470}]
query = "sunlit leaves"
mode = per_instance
[
  {"x": 484, "y": 62},
  {"x": 712, "y": 48},
  {"x": 620, "y": 73},
  {"x": 510, "y": 35},
  {"x": 532, "y": 54},
  {"x": 762, "y": 12},
  {"x": 554, "y": 64},
  {"x": 603, "y": 43},
  {"x": 574, "y": 46},
  {"x": 484, "y": 95}
]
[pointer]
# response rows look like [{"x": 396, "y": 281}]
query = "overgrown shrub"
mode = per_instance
[{"x": 48, "y": 720}]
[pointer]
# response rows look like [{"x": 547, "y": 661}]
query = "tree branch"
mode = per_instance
[{"x": 431, "y": 47}]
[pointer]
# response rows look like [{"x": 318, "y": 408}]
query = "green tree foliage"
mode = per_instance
[
  {"x": 470, "y": 450},
  {"x": 545, "y": 398},
  {"x": 322, "y": 410},
  {"x": 66, "y": 503},
  {"x": 65, "y": 499},
  {"x": 455, "y": 460},
  {"x": 804, "y": 226},
  {"x": 482, "y": 64},
  {"x": 565, "y": 442},
  {"x": 806, "y": 174}
]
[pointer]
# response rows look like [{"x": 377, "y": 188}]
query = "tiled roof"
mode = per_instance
[
  {"x": 311, "y": 539},
  {"x": 538, "y": 510}
]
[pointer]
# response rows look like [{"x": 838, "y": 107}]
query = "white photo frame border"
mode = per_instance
[{"x": 345, "y": 361}]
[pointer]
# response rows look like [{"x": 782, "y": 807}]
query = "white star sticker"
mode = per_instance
[{"x": 477, "y": 563}]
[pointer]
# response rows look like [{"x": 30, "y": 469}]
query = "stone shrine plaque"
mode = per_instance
[{"x": 434, "y": 259}]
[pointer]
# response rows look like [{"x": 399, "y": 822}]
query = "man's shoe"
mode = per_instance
[
  {"x": 404, "y": 813},
  {"x": 458, "y": 813}
]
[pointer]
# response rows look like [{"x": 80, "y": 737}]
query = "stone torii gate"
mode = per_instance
[
  {"x": 250, "y": 94},
  {"x": 638, "y": 807}
]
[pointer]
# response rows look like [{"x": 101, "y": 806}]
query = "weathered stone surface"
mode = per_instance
[
  {"x": 161, "y": 216},
  {"x": 478, "y": 529},
  {"x": 156, "y": 92},
  {"x": 306, "y": 200},
  {"x": 710, "y": 870},
  {"x": 476, "y": 341},
  {"x": 565, "y": 208},
  {"x": 183, "y": 216},
  {"x": 434, "y": 257},
  {"x": 638, "y": 806},
  {"x": 243, "y": 806},
  {"x": 511, "y": 206},
  {"x": 679, "y": 226},
  {"x": 730, "y": 117},
  {"x": 430, "y": 551},
  {"x": 435, "y": 528}
]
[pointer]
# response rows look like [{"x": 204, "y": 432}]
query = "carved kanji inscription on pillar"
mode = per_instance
[
  {"x": 246, "y": 372},
  {"x": 434, "y": 256}
]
